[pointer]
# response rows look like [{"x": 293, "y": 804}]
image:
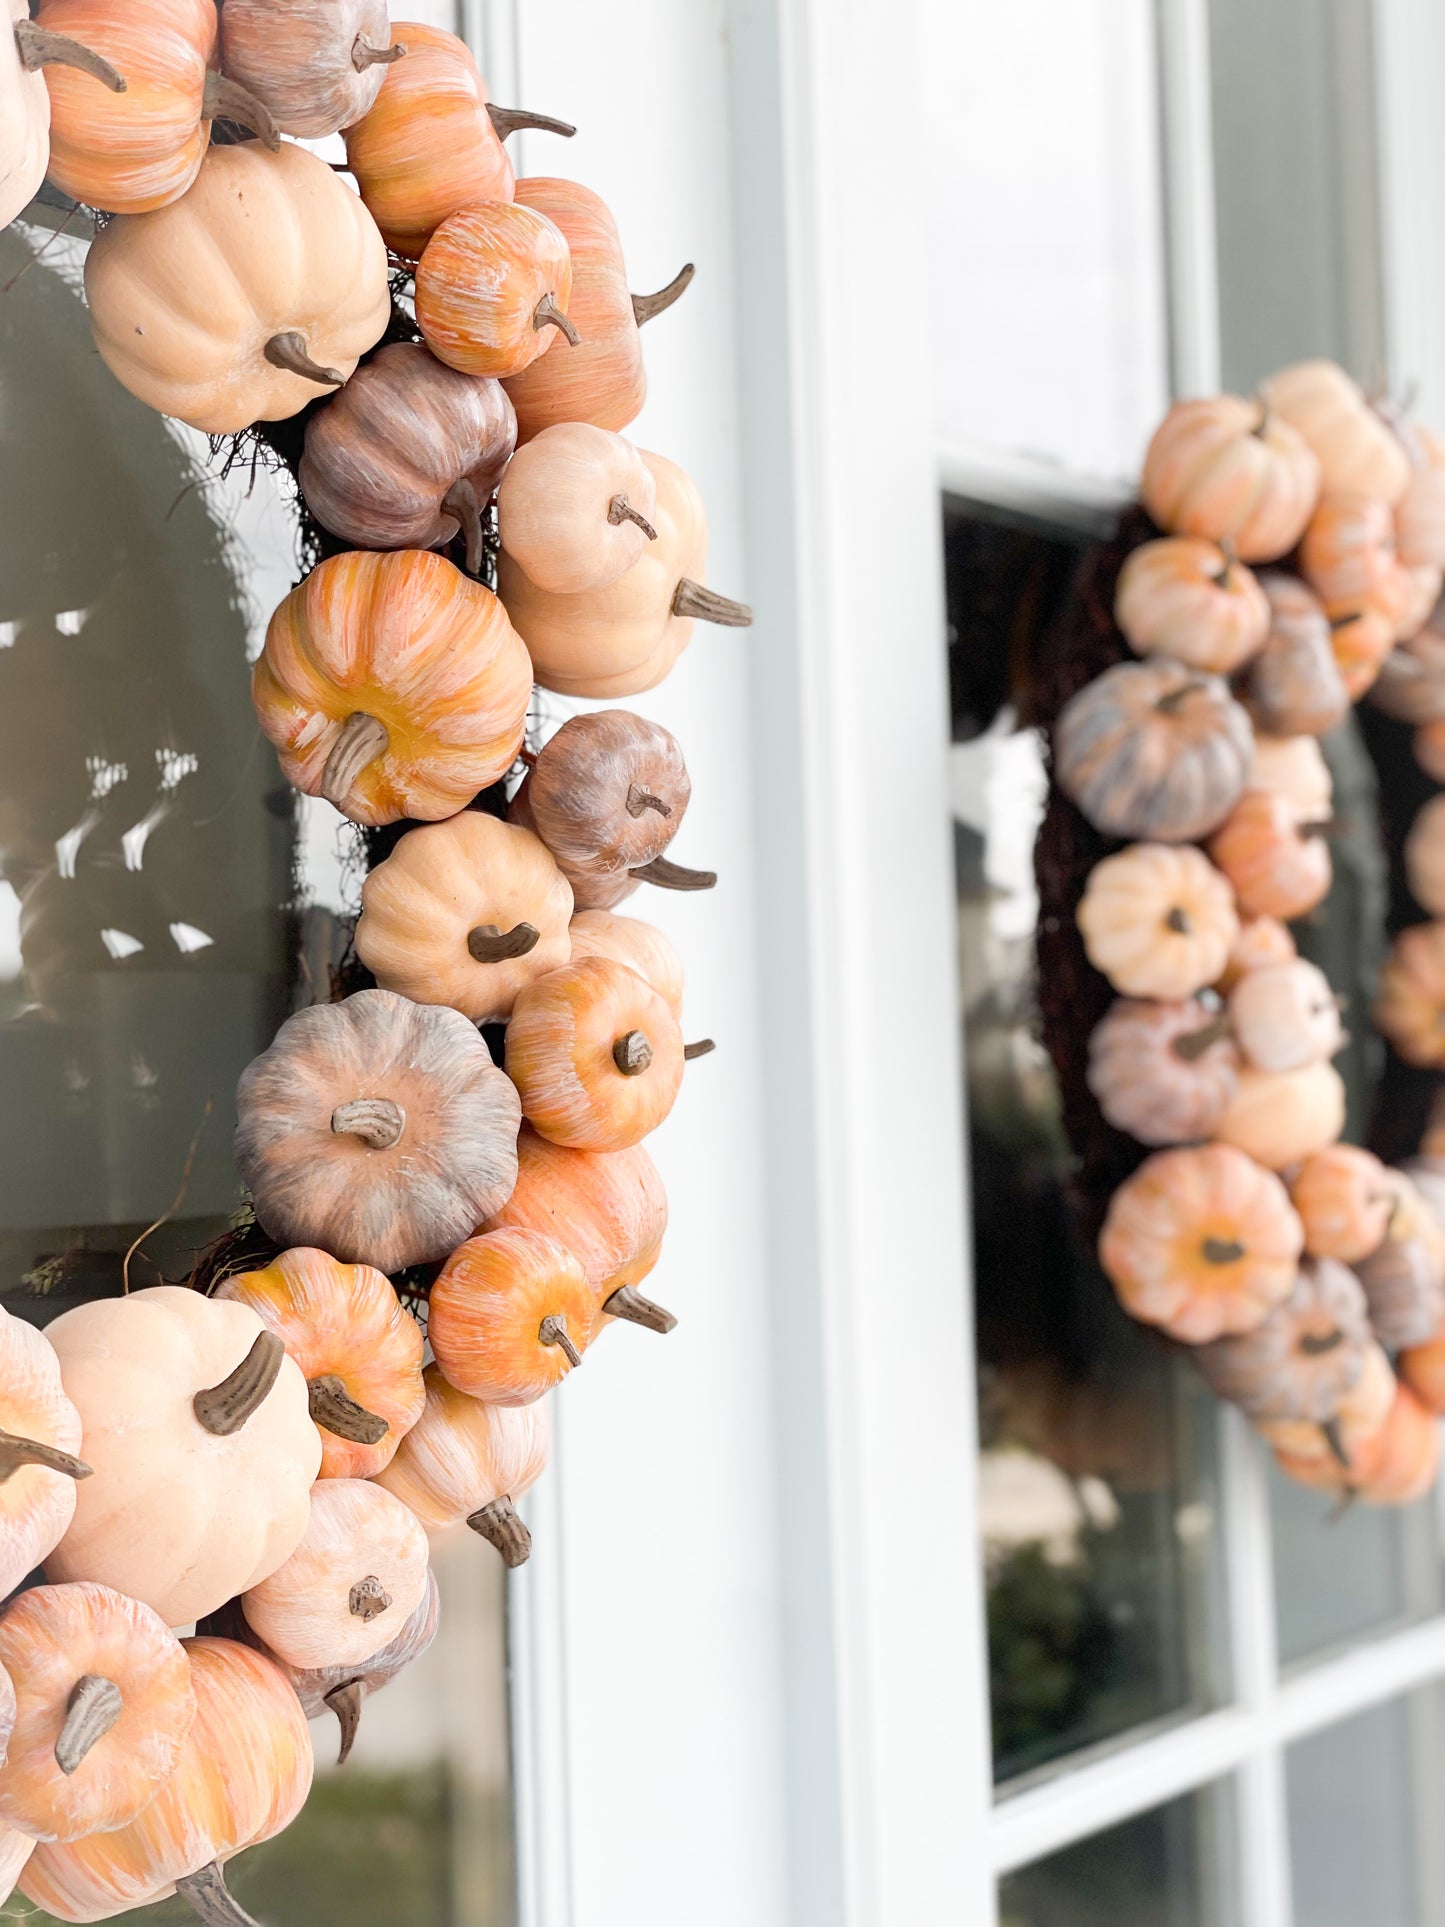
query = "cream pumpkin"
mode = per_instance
[
  {"x": 1348, "y": 556},
  {"x": 15, "y": 1851},
  {"x": 303, "y": 292},
  {"x": 1285, "y": 1016},
  {"x": 1225, "y": 468},
  {"x": 1158, "y": 920},
  {"x": 573, "y": 508},
  {"x": 1261, "y": 941},
  {"x": 1358, "y": 452},
  {"x": 1186, "y": 599},
  {"x": 630, "y": 941},
  {"x": 204, "y": 1451},
  {"x": 39, "y": 1440},
  {"x": 1294, "y": 767},
  {"x": 1279, "y": 1117}
]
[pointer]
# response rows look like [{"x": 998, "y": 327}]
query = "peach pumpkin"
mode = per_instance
[
  {"x": 1278, "y": 866},
  {"x": 242, "y": 1775},
  {"x": 1345, "y": 1199},
  {"x": 1420, "y": 512},
  {"x": 573, "y": 508},
  {"x": 1279, "y": 1117},
  {"x": 1202, "y": 1242},
  {"x": 393, "y": 686},
  {"x": 1294, "y": 767},
  {"x": 467, "y": 913},
  {"x": 1348, "y": 556},
  {"x": 357, "y": 1346},
  {"x": 104, "y": 1700},
  {"x": 39, "y": 1439},
  {"x": 1429, "y": 750},
  {"x": 630, "y": 941},
  {"x": 1401, "y": 1465},
  {"x": 1224, "y": 468},
  {"x": 1410, "y": 1006},
  {"x": 1188, "y": 600},
  {"x": 1425, "y": 857},
  {"x": 316, "y": 65},
  {"x": 1362, "y": 634},
  {"x": 492, "y": 289},
  {"x": 1358, "y": 452},
  {"x": 1163, "y": 1072},
  {"x": 204, "y": 1451},
  {"x": 510, "y": 1316},
  {"x": 1261, "y": 941},
  {"x": 1285, "y": 1016},
  {"x": 1158, "y": 920}
]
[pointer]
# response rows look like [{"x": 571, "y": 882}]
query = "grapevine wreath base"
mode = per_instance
[
  {"x": 449, "y": 1153},
  {"x": 1284, "y": 565}
]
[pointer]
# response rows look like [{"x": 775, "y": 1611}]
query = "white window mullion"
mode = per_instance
[{"x": 1189, "y": 223}]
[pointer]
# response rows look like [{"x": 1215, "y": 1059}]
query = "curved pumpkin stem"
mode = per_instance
[
  {"x": 460, "y": 502},
  {"x": 704, "y": 1047},
  {"x": 364, "y": 54},
  {"x": 335, "y": 1410},
  {"x": 668, "y": 875},
  {"x": 345, "y": 1703},
  {"x": 640, "y": 799},
  {"x": 632, "y": 1054},
  {"x": 41, "y": 47},
  {"x": 647, "y": 307},
  {"x": 620, "y": 510},
  {"x": 363, "y": 738},
  {"x": 1222, "y": 1251},
  {"x": 227, "y": 99},
  {"x": 94, "y": 1706},
  {"x": 553, "y": 1331},
  {"x": 706, "y": 605},
  {"x": 223, "y": 1409},
  {"x": 368, "y": 1598},
  {"x": 375, "y": 1120},
  {"x": 510, "y": 120},
  {"x": 488, "y": 944},
  {"x": 206, "y": 1894},
  {"x": 16, "y": 1452},
  {"x": 547, "y": 314},
  {"x": 628, "y": 1303},
  {"x": 500, "y": 1524},
  {"x": 1193, "y": 1044},
  {"x": 1316, "y": 1344},
  {"x": 288, "y": 351}
]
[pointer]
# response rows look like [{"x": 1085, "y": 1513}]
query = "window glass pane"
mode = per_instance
[
  {"x": 1364, "y": 1803},
  {"x": 1100, "y": 1513},
  {"x": 152, "y": 936},
  {"x": 1169, "y": 1868},
  {"x": 1047, "y": 317}
]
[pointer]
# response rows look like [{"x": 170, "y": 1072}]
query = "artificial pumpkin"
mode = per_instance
[
  {"x": 104, "y": 1700},
  {"x": 607, "y": 795},
  {"x": 316, "y": 65},
  {"x": 1420, "y": 512},
  {"x": 1404, "y": 1276},
  {"x": 197, "y": 1425},
  {"x": 574, "y": 506},
  {"x": 7, "y": 1724},
  {"x": 358, "y": 1348},
  {"x": 1285, "y": 1016},
  {"x": 1425, "y": 857},
  {"x": 241, "y": 1776},
  {"x": 1152, "y": 749},
  {"x": 598, "y": 886},
  {"x": 1202, "y": 1242},
  {"x": 1261, "y": 941},
  {"x": 1348, "y": 556},
  {"x": 510, "y": 1316},
  {"x": 393, "y": 686},
  {"x": 466, "y": 1461},
  {"x": 431, "y": 142},
  {"x": 377, "y": 1129},
  {"x": 1410, "y": 1005},
  {"x": 602, "y": 380},
  {"x": 39, "y": 1440},
  {"x": 1278, "y": 866},
  {"x": 1157, "y": 920},
  {"x": 1358, "y": 452},
  {"x": 630, "y": 941},
  {"x": 1279, "y": 1117},
  {"x": 245, "y": 299},
  {"x": 1187, "y": 599},
  {"x": 1429, "y": 749},
  {"x": 607, "y": 1207},
  {"x": 1401, "y": 1464},
  {"x": 1361, "y": 637},
  {"x": 1294, "y": 767},
  {"x": 465, "y": 913},
  {"x": 408, "y": 453},
  {"x": 492, "y": 289},
  {"x": 1345, "y": 1199},
  {"x": 25, "y": 52},
  {"x": 1307, "y": 1355},
  {"x": 1423, "y": 1369},
  {"x": 624, "y": 639},
  {"x": 595, "y": 1054},
  {"x": 15, "y": 1850},
  {"x": 1294, "y": 687},
  {"x": 1411, "y": 683},
  {"x": 352, "y": 1584},
  {"x": 1224, "y": 468},
  {"x": 140, "y": 147},
  {"x": 1337, "y": 1453},
  {"x": 1423, "y": 592},
  {"x": 1163, "y": 1072}
]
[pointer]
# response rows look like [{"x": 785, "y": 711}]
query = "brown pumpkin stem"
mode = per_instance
[
  {"x": 1325, "y": 826},
  {"x": 511, "y": 120},
  {"x": 207, "y": 1895},
  {"x": 501, "y": 1525},
  {"x": 632, "y": 1054},
  {"x": 620, "y": 510},
  {"x": 1178, "y": 921},
  {"x": 553, "y": 1331},
  {"x": 1222, "y": 1251},
  {"x": 640, "y": 799},
  {"x": 363, "y": 738},
  {"x": 1171, "y": 700},
  {"x": 368, "y": 1598},
  {"x": 1335, "y": 1440},
  {"x": 335, "y": 1410},
  {"x": 94, "y": 1706},
  {"x": 375, "y": 1120},
  {"x": 647, "y": 307},
  {"x": 706, "y": 605},
  {"x": 628, "y": 1303},
  {"x": 489, "y": 944},
  {"x": 460, "y": 502},
  {"x": 288, "y": 351},
  {"x": 365, "y": 54},
  {"x": 547, "y": 314},
  {"x": 42, "y": 47},
  {"x": 16, "y": 1452},
  {"x": 345, "y": 1703},
  {"x": 1194, "y": 1043},
  {"x": 227, "y": 99},
  {"x": 224, "y": 1408},
  {"x": 1317, "y": 1344},
  {"x": 1265, "y": 416},
  {"x": 704, "y": 1047},
  {"x": 668, "y": 875},
  {"x": 1343, "y": 622}
]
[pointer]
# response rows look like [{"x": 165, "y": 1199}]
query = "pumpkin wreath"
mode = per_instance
[
  {"x": 443, "y": 358},
  {"x": 1284, "y": 564}
]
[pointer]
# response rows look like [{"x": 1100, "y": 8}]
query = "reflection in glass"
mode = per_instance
[{"x": 1168, "y": 1868}]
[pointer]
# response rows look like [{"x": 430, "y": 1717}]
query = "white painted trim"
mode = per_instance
[
  {"x": 537, "y": 1677},
  {"x": 1189, "y": 214}
]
